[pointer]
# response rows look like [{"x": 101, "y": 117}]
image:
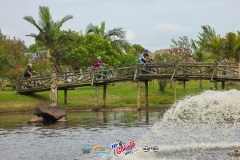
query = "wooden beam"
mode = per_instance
[
  {"x": 173, "y": 74},
  {"x": 139, "y": 116},
  {"x": 184, "y": 87},
  {"x": 223, "y": 85},
  {"x": 104, "y": 94},
  {"x": 146, "y": 93},
  {"x": 65, "y": 96},
  {"x": 215, "y": 85},
  {"x": 97, "y": 95},
  {"x": 139, "y": 96},
  {"x": 175, "y": 91}
]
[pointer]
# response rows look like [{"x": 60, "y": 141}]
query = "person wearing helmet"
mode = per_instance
[
  {"x": 29, "y": 73},
  {"x": 98, "y": 62},
  {"x": 142, "y": 58},
  {"x": 100, "y": 68}
]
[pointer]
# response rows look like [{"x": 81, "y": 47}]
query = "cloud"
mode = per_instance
[
  {"x": 130, "y": 35},
  {"x": 167, "y": 28}
]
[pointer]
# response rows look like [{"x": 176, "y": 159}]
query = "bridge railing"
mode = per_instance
[
  {"x": 121, "y": 73},
  {"x": 182, "y": 70},
  {"x": 217, "y": 71},
  {"x": 37, "y": 82}
]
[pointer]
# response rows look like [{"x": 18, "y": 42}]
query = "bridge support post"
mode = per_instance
[
  {"x": 104, "y": 94},
  {"x": 184, "y": 87},
  {"x": 215, "y": 74},
  {"x": 146, "y": 93},
  {"x": 175, "y": 91},
  {"x": 139, "y": 116},
  {"x": 223, "y": 85},
  {"x": 215, "y": 85},
  {"x": 65, "y": 96},
  {"x": 97, "y": 95},
  {"x": 139, "y": 96},
  {"x": 224, "y": 73},
  {"x": 238, "y": 69},
  {"x": 104, "y": 117}
]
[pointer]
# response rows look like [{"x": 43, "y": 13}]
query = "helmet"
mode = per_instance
[
  {"x": 30, "y": 65},
  {"x": 146, "y": 50},
  {"x": 99, "y": 57}
]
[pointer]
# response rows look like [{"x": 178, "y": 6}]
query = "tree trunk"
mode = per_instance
[{"x": 2, "y": 83}]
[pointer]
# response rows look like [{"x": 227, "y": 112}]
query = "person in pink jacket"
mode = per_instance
[{"x": 98, "y": 62}]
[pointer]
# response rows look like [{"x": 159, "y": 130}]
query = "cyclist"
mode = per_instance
[
  {"x": 144, "y": 55},
  {"x": 29, "y": 73}
]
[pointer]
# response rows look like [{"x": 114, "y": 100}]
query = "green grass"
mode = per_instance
[{"x": 123, "y": 94}]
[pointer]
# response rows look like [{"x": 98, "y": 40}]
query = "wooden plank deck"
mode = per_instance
[{"x": 216, "y": 72}]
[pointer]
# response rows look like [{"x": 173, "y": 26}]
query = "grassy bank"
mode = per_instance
[{"x": 122, "y": 94}]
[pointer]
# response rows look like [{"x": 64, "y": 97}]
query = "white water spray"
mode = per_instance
[
  {"x": 211, "y": 107},
  {"x": 204, "y": 126}
]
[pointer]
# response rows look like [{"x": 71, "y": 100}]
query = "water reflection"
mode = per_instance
[
  {"x": 58, "y": 125},
  {"x": 85, "y": 119},
  {"x": 147, "y": 117},
  {"x": 64, "y": 140}
]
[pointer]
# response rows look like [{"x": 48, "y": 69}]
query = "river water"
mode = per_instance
[
  {"x": 199, "y": 127},
  {"x": 64, "y": 141}
]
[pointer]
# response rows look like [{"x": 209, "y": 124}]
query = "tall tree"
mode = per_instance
[
  {"x": 116, "y": 36},
  {"x": 232, "y": 46},
  {"x": 204, "y": 38},
  {"x": 216, "y": 46},
  {"x": 182, "y": 42},
  {"x": 12, "y": 57},
  {"x": 91, "y": 46},
  {"x": 48, "y": 30}
]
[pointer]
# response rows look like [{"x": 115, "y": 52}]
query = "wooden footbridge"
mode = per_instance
[{"x": 214, "y": 72}]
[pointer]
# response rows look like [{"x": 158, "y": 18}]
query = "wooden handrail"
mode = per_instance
[{"x": 171, "y": 71}]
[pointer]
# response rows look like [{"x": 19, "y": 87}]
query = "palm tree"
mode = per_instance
[
  {"x": 47, "y": 28},
  {"x": 201, "y": 46},
  {"x": 116, "y": 36},
  {"x": 182, "y": 42},
  {"x": 216, "y": 47},
  {"x": 232, "y": 46}
]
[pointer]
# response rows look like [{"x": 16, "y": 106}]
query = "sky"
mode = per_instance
[{"x": 150, "y": 23}]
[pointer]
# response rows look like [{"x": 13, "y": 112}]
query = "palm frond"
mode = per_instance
[
  {"x": 60, "y": 23},
  {"x": 102, "y": 29},
  {"x": 33, "y": 22},
  {"x": 32, "y": 35},
  {"x": 45, "y": 17},
  {"x": 118, "y": 32},
  {"x": 91, "y": 28}
]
